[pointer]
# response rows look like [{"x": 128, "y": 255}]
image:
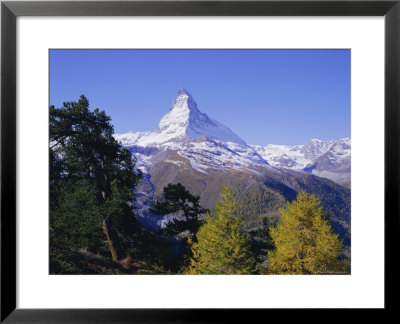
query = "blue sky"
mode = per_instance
[{"x": 264, "y": 96}]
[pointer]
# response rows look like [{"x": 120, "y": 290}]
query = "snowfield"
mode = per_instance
[{"x": 298, "y": 157}]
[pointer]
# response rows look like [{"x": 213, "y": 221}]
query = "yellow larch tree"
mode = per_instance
[
  {"x": 222, "y": 246},
  {"x": 304, "y": 241}
]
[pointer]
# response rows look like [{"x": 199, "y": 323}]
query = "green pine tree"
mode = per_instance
[
  {"x": 177, "y": 199},
  {"x": 222, "y": 246},
  {"x": 91, "y": 182},
  {"x": 261, "y": 242}
]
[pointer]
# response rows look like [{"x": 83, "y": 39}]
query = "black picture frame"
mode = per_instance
[{"x": 10, "y": 10}]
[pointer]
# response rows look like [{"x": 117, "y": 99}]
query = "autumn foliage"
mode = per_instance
[{"x": 304, "y": 241}]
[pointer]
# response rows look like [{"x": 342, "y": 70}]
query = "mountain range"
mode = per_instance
[
  {"x": 203, "y": 154},
  {"x": 330, "y": 159}
]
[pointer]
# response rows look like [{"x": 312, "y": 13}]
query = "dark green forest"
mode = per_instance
[{"x": 94, "y": 228}]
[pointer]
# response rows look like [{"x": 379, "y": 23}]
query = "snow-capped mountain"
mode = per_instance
[
  {"x": 328, "y": 159},
  {"x": 201, "y": 153},
  {"x": 184, "y": 119},
  {"x": 207, "y": 143},
  {"x": 183, "y": 122},
  {"x": 195, "y": 136}
]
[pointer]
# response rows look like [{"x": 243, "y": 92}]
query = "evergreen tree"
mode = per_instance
[
  {"x": 76, "y": 220},
  {"x": 305, "y": 243},
  {"x": 91, "y": 181},
  {"x": 261, "y": 242},
  {"x": 222, "y": 246},
  {"x": 177, "y": 199}
]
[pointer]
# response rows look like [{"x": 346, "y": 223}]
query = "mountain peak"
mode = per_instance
[
  {"x": 184, "y": 103},
  {"x": 185, "y": 119},
  {"x": 183, "y": 91}
]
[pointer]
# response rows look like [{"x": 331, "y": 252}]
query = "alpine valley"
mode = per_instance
[{"x": 201, "y": 153}]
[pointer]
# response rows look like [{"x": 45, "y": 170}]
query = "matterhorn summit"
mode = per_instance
[
  {"x": 185, "y": 121},
  {"x": 185, "y": 133},
  {"x": 193, "y": 135},
  {"x": 183, "y": 110}
]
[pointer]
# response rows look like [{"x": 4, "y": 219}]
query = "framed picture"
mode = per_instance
[{"x": 276, "y": 165}]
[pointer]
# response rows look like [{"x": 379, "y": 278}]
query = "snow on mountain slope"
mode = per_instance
[
  {"x": 195, "y": 136},
  {"x": 335, "y": 163},
  {"x": 183, "y": 122},
  {"x": 283, "y": 156},
  {"x": 184, "y": 119},
  {"x": 206, "y": 143},
  {"x": 330, "y": 159}
]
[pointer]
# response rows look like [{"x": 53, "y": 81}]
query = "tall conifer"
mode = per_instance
[
  {"x": 222, "y": 246},
  {"x": 305, "y": 243},
  {"x": 91, "y": 181}
]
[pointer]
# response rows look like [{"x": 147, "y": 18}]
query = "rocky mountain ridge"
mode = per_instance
[{"x": 327, "y": 159}]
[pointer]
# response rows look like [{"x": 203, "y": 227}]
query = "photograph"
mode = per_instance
[{"x": 200, "y": 161}]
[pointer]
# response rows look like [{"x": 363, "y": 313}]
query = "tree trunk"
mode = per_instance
[{"x": 111, "y": 245}]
